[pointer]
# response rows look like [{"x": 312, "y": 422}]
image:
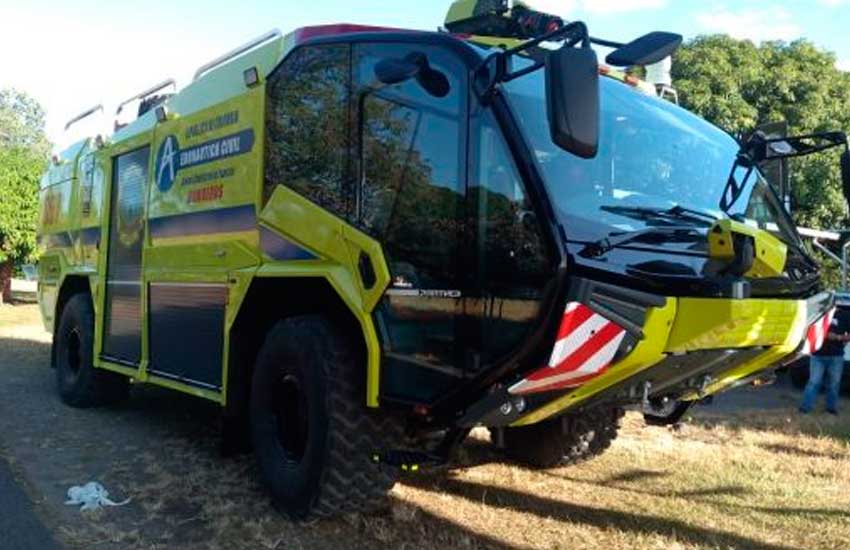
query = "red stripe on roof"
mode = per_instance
[{"x": 306, "y": 33}]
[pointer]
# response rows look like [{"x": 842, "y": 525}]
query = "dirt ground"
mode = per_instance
[{"x": 746, "y": 472}]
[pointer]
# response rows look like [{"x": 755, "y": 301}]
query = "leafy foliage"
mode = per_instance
[
  {"x": 23, "y": 154},
  {"x": 738, "y": 86},
  {"x": 22, "y": 123}
]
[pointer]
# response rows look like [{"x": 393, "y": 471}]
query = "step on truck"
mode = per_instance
[{"x": 363, "y": 242}]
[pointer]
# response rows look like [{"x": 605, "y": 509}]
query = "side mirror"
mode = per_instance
[
  {"x": 414, "y": 65},
  {"x": 646, "y": 50},
  {"x": 572, "y": 100},
  {"x": 845, "y": 173}
]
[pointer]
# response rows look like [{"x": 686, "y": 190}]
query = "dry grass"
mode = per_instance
[{"x": 764, "y": 480}]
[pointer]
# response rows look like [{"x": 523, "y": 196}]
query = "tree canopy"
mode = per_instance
[
  {"x": 738, "y": 86},
  {"x": 23, "y": 154}
]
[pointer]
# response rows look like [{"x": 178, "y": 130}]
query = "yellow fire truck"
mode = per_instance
[{"x": 362, "y": 242}]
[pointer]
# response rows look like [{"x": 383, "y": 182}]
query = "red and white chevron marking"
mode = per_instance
[
  {"x": 587, "y": 343},
  {"x": 816, "y": 335}
]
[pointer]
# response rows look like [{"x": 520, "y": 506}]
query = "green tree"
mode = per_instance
[
  {"x": 22, "y": 122},
  {"x": 23, "y": 154},
  {"x": 738, "y": 85}
]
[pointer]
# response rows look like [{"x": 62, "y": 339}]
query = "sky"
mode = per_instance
[{"x": 71, "y": 55}]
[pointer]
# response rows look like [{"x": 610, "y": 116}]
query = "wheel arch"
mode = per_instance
[{"x": 267, "y": 301}]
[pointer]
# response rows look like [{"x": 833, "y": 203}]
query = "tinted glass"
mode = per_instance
[
  {"x": 510, "y": 242},
  {"x": 651, "y": 154},
  {"x": 307, "y": 128},
  {"x": 513, "y": 264},
  {"x": 123, "y": 321},
  {"x": 412, "y": 200},
  {"x": 411, "y": 195},
  {"x": 130, "y": 176}
]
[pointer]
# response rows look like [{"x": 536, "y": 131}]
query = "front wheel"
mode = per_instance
[
  {"x": 312, "y": 434},
  {"x": 80, "y": 384},
  {"x": 565, "y": 440}
]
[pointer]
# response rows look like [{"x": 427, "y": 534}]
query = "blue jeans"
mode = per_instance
[{"x": 833, "y": 366}]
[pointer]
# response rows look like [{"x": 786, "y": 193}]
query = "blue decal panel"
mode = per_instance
[
  {"x": 170, "y": 158},
  {"x": 90, "y": 236},
  {"x": 277, "y": 247},
  {"x": 206, "y": 222}
]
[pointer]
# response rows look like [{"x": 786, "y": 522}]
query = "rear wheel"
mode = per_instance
[
  {"x": 80, "y": 384},
  {"x": 312, "y": 434},
  {"x": 565, "y": 440}
]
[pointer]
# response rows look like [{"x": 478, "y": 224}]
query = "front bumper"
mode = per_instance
[{"x": 695, "y": 347}]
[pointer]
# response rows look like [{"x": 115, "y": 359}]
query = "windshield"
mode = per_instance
[{"x": 652, "y": 155}]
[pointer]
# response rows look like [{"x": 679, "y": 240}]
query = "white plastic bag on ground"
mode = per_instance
[{"x": 91, "y": 496}]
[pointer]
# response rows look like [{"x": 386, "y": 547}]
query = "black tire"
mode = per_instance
[
  {"x": 80, "y": 384},
  {"x": 313, "y": 435},
  {"x": 599, "y": 428},
  {"x": 562, "y": 441}
]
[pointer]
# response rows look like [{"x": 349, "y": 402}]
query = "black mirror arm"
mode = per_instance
[
  {"x": 486, "y": 79},
  {"x": 571, "y": 34},
  {"x": 801, "y": 145},
  {"x": 606, "y": 43},
  {"x": 733, "y": 190}
]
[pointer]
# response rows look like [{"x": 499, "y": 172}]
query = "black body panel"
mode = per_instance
[{"x": 186, "y": 332}]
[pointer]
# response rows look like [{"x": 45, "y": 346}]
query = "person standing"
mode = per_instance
[{"x": 827, "y": 362}]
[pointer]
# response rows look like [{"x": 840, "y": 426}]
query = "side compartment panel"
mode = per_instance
[{"x": 186, "y": 332}]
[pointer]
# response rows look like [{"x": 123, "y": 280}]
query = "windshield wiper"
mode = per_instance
[
  {"x": 674, "y": 214},
  {"x": 651, "y": 235}
]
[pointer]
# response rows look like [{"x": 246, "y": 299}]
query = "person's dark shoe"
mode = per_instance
[
  {"x": 832, "y": 412},
  {"x": 804, "y": 411}
]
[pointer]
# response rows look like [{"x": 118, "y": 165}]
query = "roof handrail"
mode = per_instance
[
  {"x": 147, "y": 92},
  {"x": 85, "y": 114},
  {"x": 236, "y": 52}
]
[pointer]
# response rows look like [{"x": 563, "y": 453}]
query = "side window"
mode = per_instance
[
  {"x": 411, "y": 199},
  {"x": 130, "y": 176},
  {"x": 509, "y": 237},
  {"x": 307, "y": 143},
  {"x": 411, "y": 190},
  {"x": 513, "y": 266}
]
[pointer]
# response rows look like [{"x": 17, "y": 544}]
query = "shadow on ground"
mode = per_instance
[
  {"x": 161, "y": 449},
  {"x": 601, "y": 518}
]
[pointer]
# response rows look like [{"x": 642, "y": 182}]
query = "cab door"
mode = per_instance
[
  {"x": 515, "y": 267},
  {"x": 411, "y": 198},
  {"x": 122, "y": 326}
]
